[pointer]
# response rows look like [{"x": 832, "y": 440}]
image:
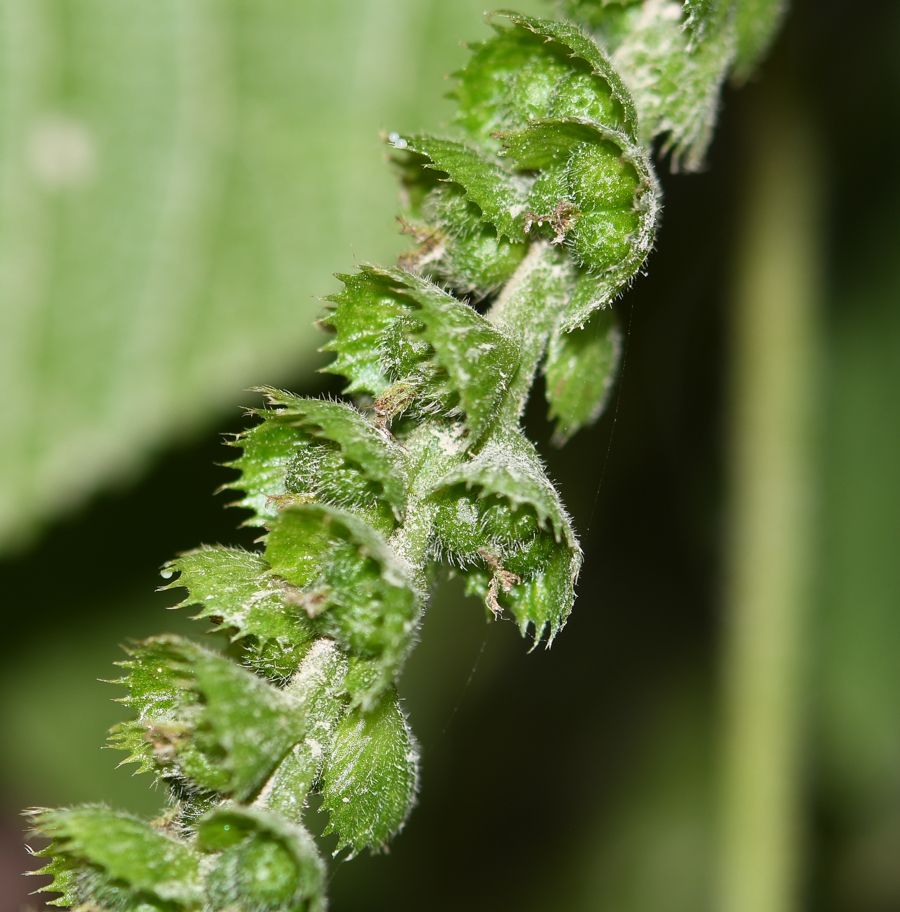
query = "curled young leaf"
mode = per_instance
[
  {"x": 232, "y": 588},
  {"x": 316, "y": 449},
  {"x": 537, "y": 69},
  {"x": 500, "y": 512},
  {"x": 496, "y": 192},
  {"x": 260, "y": 862},
  {"x": 597, "y": 195}
]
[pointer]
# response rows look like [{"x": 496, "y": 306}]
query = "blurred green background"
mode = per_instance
[{"x": 178, "y": 179}]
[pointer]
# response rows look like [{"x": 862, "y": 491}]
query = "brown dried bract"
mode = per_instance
[
  {"x": 501, "y": 580},
  {"x": 560, "y": 220}
]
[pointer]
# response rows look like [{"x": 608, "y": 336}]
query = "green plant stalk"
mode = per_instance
[
  {"x": 528, "y": 310},
  {"x": 772, "y": 467}
]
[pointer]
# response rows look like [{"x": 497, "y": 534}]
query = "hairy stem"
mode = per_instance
[
  {"x": 528, "y": 310},
  {"x": 775, "y": 337}
]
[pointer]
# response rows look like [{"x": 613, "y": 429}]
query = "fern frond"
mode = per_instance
[{"x": 526, "y": 225}]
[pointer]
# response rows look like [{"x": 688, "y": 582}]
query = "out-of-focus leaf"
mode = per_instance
[
  {"x": 857, "y": 674},
  {"x": 177, "y": 180},
  {"x": 757, "y": 23}
]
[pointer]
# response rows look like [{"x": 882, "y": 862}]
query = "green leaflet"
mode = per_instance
[
  {"x": 342, "y": 573},
  {"x": 369, "y": 784},
  {"x": 570, "y": 98},
  {"x": 476, "y": 362},
  {"x": 65, "y": 873},
  {"x": 233, "y": 589},
  {"x": 269, "y": 449},
  {"x": 499, "y": 510},
  {"x": 601, "y": 202},
  {"x": 580, "y": 369},
  {"x": 756, "y": 23},
  {"x": 316, "y": 449},
  {"x": 544, "y": 601},
  {"x": 453, "y": 360},
  {"x": 125, "y": 849},
  {"x": 360, "y": 319},
  {"x": 155, "y": 694},
  {"x": 366, "y": 450},
  {"x": 214, "y": 722},
  {"x": 262, "y": 862},
  {"x": 456, "y": 247},
  {"x": 456, "y": 244},
  {"x": 499, "y": 196}
]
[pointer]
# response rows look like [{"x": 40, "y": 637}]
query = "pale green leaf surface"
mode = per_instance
[
  {"x": 177, "y": 180},
  {"x": 546, "y": 143}
]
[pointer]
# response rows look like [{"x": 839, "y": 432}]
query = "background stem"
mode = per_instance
[{"x": 775, "y": 337}]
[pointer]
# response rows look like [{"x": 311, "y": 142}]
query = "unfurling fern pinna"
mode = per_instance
[{"x": 526, "y": 226}]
